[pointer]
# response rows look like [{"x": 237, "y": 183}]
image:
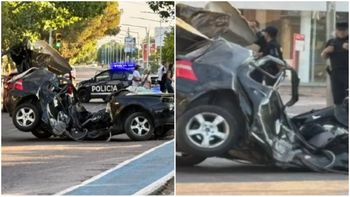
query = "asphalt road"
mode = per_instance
[
  {"x": 216, "y": 176},
  {"x": 42, "y": 167}
]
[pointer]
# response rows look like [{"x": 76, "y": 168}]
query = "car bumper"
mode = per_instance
[{"x": 164, "y": 119}]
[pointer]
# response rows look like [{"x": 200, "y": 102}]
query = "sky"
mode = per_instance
[{"x": 132, "y": 9}]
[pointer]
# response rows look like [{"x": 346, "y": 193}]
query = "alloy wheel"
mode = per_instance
[
  {"x": 207, "y": 130},
  {"x": 140, "y": 125},
  {"x": 25, "y": 117}
]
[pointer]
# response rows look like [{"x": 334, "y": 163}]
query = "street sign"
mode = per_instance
[
  {"x": 298, "y": 45},
  {"x": 299, "y": 40},
  {"x": 159, "y": 35},
  {"x": 129, "y": 44}
]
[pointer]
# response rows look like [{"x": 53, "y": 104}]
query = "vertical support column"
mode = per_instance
[
  {"x": 304, "y": 56},
  {"x": 286, "y": 37},
  {"x": 330, "y": 27}
]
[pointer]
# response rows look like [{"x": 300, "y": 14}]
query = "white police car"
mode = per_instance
[{"x": 103, "y": 84}]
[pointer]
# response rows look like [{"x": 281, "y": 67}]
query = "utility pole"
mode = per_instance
[
  {"x": 50, "y": 37},
  {"x": 330, "y": 27},
  {"x": 161, "y": 42}
]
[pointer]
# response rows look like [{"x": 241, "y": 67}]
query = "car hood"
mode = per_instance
[
  {"x": 38, "y": 55},
  {"x": 54, "y": 61},
  {"x": 216, "y": 19}
]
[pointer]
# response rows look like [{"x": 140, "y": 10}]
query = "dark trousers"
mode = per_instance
[
  {"x": 339, "y": 83},
  {"x": 162, "y": 86},
  {"x": 169, "y": 87}
]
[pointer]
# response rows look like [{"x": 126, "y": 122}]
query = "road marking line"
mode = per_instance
[
  {"x": 155, "y": 185},
  {"x": 265, "y": 188},
  {"x": 113, "y": 169}
]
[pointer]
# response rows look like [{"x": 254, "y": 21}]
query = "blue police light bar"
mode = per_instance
[{"x": 123, "y": 66}]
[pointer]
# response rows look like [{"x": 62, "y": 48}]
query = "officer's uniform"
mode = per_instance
[
  {"x": 339, "y": 69},
  {"x": 274, "y": 49}
]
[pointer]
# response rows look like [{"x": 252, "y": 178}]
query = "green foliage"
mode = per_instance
[
  {"x": 165, "y": 9},
  {"x": 110, "y": 52},
  {"x": 80, "y": 23},
  {"x": 33, "y": 20},
  {"x": 168, "y": 48},
  {"x": 82, "y": 33}
]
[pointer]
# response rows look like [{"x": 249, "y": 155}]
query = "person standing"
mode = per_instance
[
  {"x": 162, "y": 77},
  {"x": 273, "y": 48},
  {"x": 337, "y": 50},
  {"x": 136, "y": 76},
  {"x": 169, "y": 79}
]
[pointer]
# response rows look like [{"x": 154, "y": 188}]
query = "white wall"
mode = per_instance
[{"x": 304, "y": 56}]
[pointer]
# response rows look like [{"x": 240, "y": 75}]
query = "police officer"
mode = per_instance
[
  {"x": 169, "y": 79},
  {"x": 270, "y": 47},
  {"x": 337, "y": 50},
  {"x": 162, "y": 77},
  {"x": 136, "y": 76}
]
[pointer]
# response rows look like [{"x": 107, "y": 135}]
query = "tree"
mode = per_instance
[
  {"x": 80, "y": 39},
  {"x": 168, "y": 48},
  {"x": 165, "y": 9},
  {"x": 80, "y": 24},
  {"x": 34, "y": 19}
]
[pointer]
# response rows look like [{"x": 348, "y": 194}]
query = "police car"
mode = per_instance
[{"x": 104, "y": 83}]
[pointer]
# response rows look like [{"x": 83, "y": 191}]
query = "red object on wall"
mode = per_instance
[
  {"x": 153, "y": 49},
  {"x": 298, "y": 45}
]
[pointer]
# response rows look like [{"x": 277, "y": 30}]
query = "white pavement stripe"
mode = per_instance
[
  {"x": 112, "y": 169},
  {"x": 155, "y": 185}
]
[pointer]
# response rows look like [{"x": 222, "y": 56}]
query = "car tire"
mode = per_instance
[
  {"x": 26, "y": 117},
  {"x": 188, "y": 160},
  {"x": 41, "y": 134},
  {"x": 198, "y": 132},
  {"x": 139, "y": 126},
  {"x": 84, "y": 95}
]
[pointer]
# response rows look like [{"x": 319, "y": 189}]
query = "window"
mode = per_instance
[
  {"x": 104, "y": 76},
  {"x": 118, "y": 76}
]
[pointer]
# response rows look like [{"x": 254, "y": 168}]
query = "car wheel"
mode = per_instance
[
  {"x": 184, "y": 159},
  {"x": 41, "y": 134},
  {"x": 207, "y": 130},
  {"x": 26, "y": 117},
  {"x": 84, "y": 95},
  {"x": 138, "y": 126}
]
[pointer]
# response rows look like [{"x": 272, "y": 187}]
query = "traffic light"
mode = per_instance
[{"x": 58, "y": 39}]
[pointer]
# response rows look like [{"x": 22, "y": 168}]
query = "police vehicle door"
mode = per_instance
[
  {"x": 102, "y": 84},
  {"x": 119, "y": 80}
]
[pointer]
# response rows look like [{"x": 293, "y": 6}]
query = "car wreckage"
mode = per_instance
[
  {"x": 46, "y": 104},
  {"x": 223, "y": 112}
]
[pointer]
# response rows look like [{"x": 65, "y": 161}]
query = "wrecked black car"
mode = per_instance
[
  {"x": 47, "y": 105},
  {"x": 222, "y": 111},
  {"x": 141, "y": 116}
]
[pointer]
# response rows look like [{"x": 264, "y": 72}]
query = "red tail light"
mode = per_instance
[
  {"x": 19, "y": 84},
  {"x": 184, "y": 70}
]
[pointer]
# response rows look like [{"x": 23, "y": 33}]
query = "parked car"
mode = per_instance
[{"x": 142, "y": 115}]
